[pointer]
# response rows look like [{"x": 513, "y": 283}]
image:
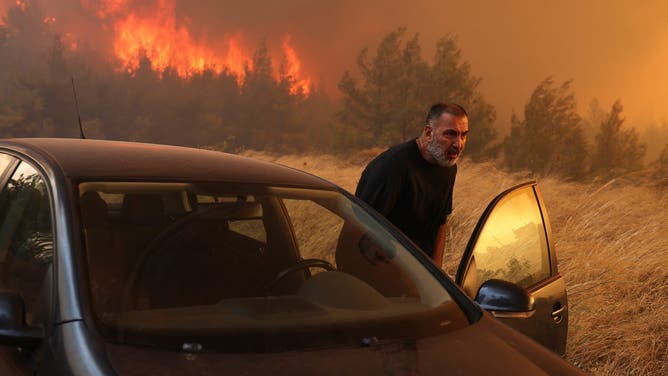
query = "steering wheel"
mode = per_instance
[{"x": 300, "y": 265}]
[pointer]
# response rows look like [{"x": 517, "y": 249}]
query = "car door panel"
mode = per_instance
[
  {"x": 551, "y": 314},
  {"x": 513, "y": 242}
]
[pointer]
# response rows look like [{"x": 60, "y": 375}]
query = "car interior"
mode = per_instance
[{"x": 166, "y": 257}]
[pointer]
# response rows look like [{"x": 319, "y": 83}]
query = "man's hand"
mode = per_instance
[{"x": 439, "y": 246}]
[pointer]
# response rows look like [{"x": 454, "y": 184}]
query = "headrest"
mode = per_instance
[
  {"x": 142, "y": 209},
  {"x": 94, "y": 211}
]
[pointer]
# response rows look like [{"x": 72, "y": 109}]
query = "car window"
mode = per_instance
[
  {"x": 315, "y": 238},
  {"x": 251, "y": 266},
  {"x": 512, "y": 245},
  {"x": 26, "y": 240}
]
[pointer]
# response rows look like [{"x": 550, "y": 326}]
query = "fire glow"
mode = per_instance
[
  {"x": 157, "y": 35},
  {"x": 141, "y": 29}
]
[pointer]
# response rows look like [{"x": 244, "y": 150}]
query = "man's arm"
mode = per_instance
[{"x": 439, "y": 245}]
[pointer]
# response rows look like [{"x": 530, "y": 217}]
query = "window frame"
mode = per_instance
[{"x": 466, "y": 264}]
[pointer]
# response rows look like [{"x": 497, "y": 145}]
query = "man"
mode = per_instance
[{"x": 411, "y": 183}]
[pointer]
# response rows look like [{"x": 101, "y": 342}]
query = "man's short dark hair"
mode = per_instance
[{"x": 439, "y": 109}]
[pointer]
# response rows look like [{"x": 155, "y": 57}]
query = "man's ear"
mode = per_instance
[{"x": 428, "y": 131}]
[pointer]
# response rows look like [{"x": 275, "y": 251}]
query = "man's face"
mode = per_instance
[{"x": 446, "y": 140}]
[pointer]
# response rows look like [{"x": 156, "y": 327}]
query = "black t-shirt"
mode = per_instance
[{"x": 415, "y": 195}]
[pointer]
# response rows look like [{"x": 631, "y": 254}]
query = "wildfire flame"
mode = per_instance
[
  {"x": 157, "y": 35},
  {"x": 294, "y": 67},
  {"x": 164, "y": 44},
  {"x": 150, "y": 29}
]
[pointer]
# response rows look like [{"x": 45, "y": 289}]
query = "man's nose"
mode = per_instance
[{"x": 457, "y": 141}]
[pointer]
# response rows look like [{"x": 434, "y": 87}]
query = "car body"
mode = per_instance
[{"x": 129, "y": 258}]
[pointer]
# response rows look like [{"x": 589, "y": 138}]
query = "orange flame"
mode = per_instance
[
  {"x": 294, "y": 70},
  {"x": 169, "y": 46},
  {"x": 236, "y": 60},
  {"x": 150, "y": 29},
  {"x": 166, "y": 45},
  {"x": 160, "y": 41}
]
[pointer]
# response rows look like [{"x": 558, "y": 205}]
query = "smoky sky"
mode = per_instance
[{"x": 610, "y": 49}]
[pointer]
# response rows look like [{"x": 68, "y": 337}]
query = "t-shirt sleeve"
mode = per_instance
[{"x": 379, "y": 187}]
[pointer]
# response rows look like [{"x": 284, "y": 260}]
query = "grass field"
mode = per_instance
[{"x": 612, "y": 244}]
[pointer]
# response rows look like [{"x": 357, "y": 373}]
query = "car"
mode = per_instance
[{"x": 133, "y": 259}]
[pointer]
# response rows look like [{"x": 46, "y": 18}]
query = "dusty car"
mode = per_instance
[{"x": 134, "y": 259}]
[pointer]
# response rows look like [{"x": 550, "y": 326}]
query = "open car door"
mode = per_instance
[{"x": 510, "y": 267}]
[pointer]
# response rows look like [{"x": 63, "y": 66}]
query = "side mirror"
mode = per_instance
[
  {"x": 13, "y": 328},
  {"x": 505, "y": 299}
]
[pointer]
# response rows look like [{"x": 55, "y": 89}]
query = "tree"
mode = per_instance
[
  {"x": 398, "y": 86},
  {"x": 372, "y": 109},
  {"x": 56, "y": 90},
  {"x": 618, "y": 150},
  {"x": 550, "y": 138},
  {"x": 414, "y": 75},
  {"x": 592, "y": 120},
  {"x": 266, "y": 105}
]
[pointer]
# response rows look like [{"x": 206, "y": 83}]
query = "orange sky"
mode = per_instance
[{"x": 611, "y": 49}]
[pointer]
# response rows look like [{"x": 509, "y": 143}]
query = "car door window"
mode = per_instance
[
  {"x": 26, "y": 240},
  {"x": 512, "y": 245}
]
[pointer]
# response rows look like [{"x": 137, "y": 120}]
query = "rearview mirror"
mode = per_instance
[
  {"x": 505, "y": 299},
  {"x": 13, "y": 328}
]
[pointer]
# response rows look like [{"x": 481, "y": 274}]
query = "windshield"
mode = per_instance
[{"x": 250, "y": 268}]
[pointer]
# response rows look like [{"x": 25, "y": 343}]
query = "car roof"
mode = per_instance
[{"x": 85, "y": 159}]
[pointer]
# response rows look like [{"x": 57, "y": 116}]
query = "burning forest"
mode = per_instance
[
  {"x": 144, "y": 74},
  {"x": 146, "y": 70},
  {"x": 128, "y": 31}
]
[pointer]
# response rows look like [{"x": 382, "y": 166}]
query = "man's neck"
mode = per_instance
[{"x": 422, "y": 147}]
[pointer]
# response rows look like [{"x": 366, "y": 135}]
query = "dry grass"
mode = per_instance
[{"x": 612, "y": 244}]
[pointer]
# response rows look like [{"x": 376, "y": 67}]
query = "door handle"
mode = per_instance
[{"x": 558, "y": 313}]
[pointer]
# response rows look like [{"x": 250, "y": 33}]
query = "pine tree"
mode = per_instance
[
  {"x": 618, "y": 149},
  {"x": 550, "y": 138},
  {"x": 398, "y": 86}
]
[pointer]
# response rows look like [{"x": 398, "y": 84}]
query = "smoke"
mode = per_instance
[{"x": 611, "y": 49}]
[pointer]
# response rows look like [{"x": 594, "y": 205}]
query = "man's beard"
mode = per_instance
[{"x": 440, "y": 155}]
